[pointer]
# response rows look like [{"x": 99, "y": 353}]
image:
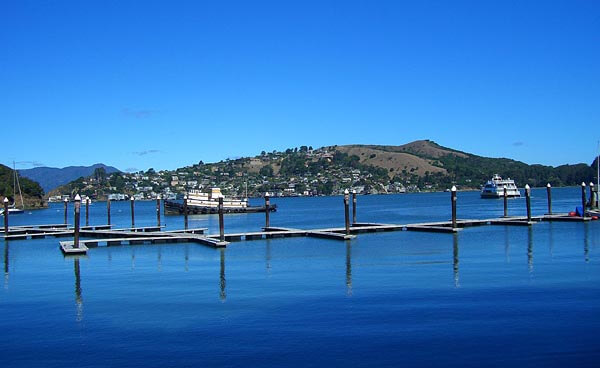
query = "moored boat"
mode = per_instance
[
  {"x": 495, "y": 188},
  {"x": 203, "y": 203}
]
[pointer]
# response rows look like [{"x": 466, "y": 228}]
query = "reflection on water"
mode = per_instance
[
  {"x": 530, "y": 249},
  {"x": 455, "y": 259},
  {"x": 186, "y": 252},
  {"x": 586, "y": 248},
  {"x": 268, "y": 255},
  {"x": 78, "y": 298},
  {"x": 132, "y": 258},
  {"x": 551, "y": 239},
  {"x": 6, "y": 265},
  {"x": 159, "y": 260},
  {"x": 222, "y": 283},
  {"x": 348, "y": 268},
  {"x": 506, "y": 244}
]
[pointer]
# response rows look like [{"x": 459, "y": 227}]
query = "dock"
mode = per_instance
[{"x": 89, "y": 237}]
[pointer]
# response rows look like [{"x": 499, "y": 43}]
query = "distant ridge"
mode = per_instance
[{"x": 52, "y": 177}]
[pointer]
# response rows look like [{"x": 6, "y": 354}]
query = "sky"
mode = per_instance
[{"x": 165, "y": 84}]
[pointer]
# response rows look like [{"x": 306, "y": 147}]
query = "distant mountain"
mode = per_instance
[
  {"x": 52, "y": 177},
  {"x": 32, "y": 192}
]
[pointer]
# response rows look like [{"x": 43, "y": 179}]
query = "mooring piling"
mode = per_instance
[
  {"x": 267, "y": 209},
  {"x": 77, "y": 215},
  {"x": 528, "y": 202},
  {"x": 583, "y": 199},
  {"x": 158, "y": 210},
  {"x": 505, "y": 201},
  {"x": 87, "y": 212},
  {"x": 5, "y": 216},
  {"x": 346, "y": 212},
  {"x": 592, "y": 194},
  {"x": 354, "y": 206},
  {"x": 185, "y": 212},
  {"x": 453, "y": 199},
  {"x": 132, "y": 212},
  {"x": 108, "y": 211},
  {"x": 221, "y": 222},
  {"x": 66, "y": 204},
  {"x": 549, "y": 194}
]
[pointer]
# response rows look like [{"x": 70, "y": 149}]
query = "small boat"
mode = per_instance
[
  {"x": 495, "y": 187},
  {"x": 203, "y": 203},
  {"x": 13, "y": 209}
]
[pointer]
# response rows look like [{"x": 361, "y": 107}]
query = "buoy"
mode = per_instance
[
  {"x": 594, "y": 218},
  {"x": 572, "y": 213}
]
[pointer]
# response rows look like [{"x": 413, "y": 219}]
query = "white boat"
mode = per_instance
[
  {"x": 495, "y": 188},
  {"x": 13, "y": 209},
  {"x": 199, "y": 202}
]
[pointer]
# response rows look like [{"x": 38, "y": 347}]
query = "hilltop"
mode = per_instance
[
  {"x": 53, "y": 177},
  {"x": 416, "y": 166},
  {"x": 32, "y": 191}
]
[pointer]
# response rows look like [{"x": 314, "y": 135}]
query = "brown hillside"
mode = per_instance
[{"x": 394, "y": 157}]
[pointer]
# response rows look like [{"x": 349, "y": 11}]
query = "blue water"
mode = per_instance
[{"x": 489, "y": 296}]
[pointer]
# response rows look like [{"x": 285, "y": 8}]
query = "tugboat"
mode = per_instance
[
  {"x": 203, "y": 203},
  {"x": 494, "y": 188}
]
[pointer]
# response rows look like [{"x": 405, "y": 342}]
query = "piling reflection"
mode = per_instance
[
  {"x": 586, "y": 245},
  {"x": 6, "y": 265},
  {"x": 551, "y": 239},
  {"x": 132, "y": 258},
  {"x": 222, "y": 283},
  {"x": 159, "y": 260},
  {"x": 455, "y": 260},
  {"x": 348, "y": 268},
  {"x": 530, "y": 249},
  {"x": 506, "y": 244},
  {"x": 78, "y": 298},
  {"x": 268, "y": 255},
  {"x": 186, "y": 252}
]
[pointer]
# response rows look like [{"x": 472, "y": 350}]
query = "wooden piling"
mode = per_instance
[
  {"x": 66, "y": 201},
  {"x": 185, "y": 212},
  {"x": 583, "y": 199},
  {"x": 549, "y": 194},
  {"x": 346, "y": 212},
  {"x": 132, "y": 212},
  {"x": 353, "y": 206},
  {"x": 77, "y": 215},
  {"x": 87, "y": 212},
  {"x": 5, "y": 216},
  {"x": 453, "y": 199},
  {"x": 221, "y": 223},
  {"x": 108, "y": 211},
  {"x": 592, "y": 195},
  {"x": 267, "y": 209},
  {"x": 505, "y": 201},
  {"x": 528, "y": 201},
  {"x": 158, "y": 210}
]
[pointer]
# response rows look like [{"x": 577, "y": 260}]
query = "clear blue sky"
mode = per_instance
[{"x": 139, "y": 84}]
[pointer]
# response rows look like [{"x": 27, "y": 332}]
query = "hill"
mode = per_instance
[
  {"x": 416, "y": 166},
  {"x": 32, "y": 191},
  {"x": 52, "y": 177}
]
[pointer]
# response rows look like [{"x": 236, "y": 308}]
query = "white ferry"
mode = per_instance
[
  {"x": 494, "y": 188},
  {"x": 199, "y": 202}
]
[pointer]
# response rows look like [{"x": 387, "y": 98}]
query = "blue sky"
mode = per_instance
[{"x": 140, "y": 84}]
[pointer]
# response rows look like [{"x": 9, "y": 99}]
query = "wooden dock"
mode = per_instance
[{"x": 98, "y": 235}]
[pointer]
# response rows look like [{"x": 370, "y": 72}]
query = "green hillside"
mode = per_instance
[{"x": 31, "y": 190}]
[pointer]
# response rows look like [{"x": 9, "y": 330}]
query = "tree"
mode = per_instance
[
  {"x": 100, "y": 174},
  {"x": 266, "y": 171}
]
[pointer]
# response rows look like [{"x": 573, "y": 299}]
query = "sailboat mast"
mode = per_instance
[{"x": 18, "y": 185}]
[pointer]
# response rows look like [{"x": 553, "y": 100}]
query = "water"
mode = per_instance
[{"x": 492, "y": 295}]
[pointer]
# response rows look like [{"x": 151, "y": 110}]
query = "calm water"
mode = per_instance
[{"x": 489, "y": 296}]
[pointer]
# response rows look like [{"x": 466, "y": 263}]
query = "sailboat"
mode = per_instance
[{"x": 13, "y": 209}]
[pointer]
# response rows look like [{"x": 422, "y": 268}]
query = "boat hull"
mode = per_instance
[{"x": 176, "y": 208}]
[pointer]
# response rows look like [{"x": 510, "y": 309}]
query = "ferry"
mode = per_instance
[
  {"x": 199, "y": 202},
  {"x": 494, "y": 188}
]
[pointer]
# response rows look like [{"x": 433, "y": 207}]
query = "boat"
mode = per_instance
[
  {"x": 199, "y": 202},
  {"x": 13, "y": 209},
  {"x": 494, "y": 188}
]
